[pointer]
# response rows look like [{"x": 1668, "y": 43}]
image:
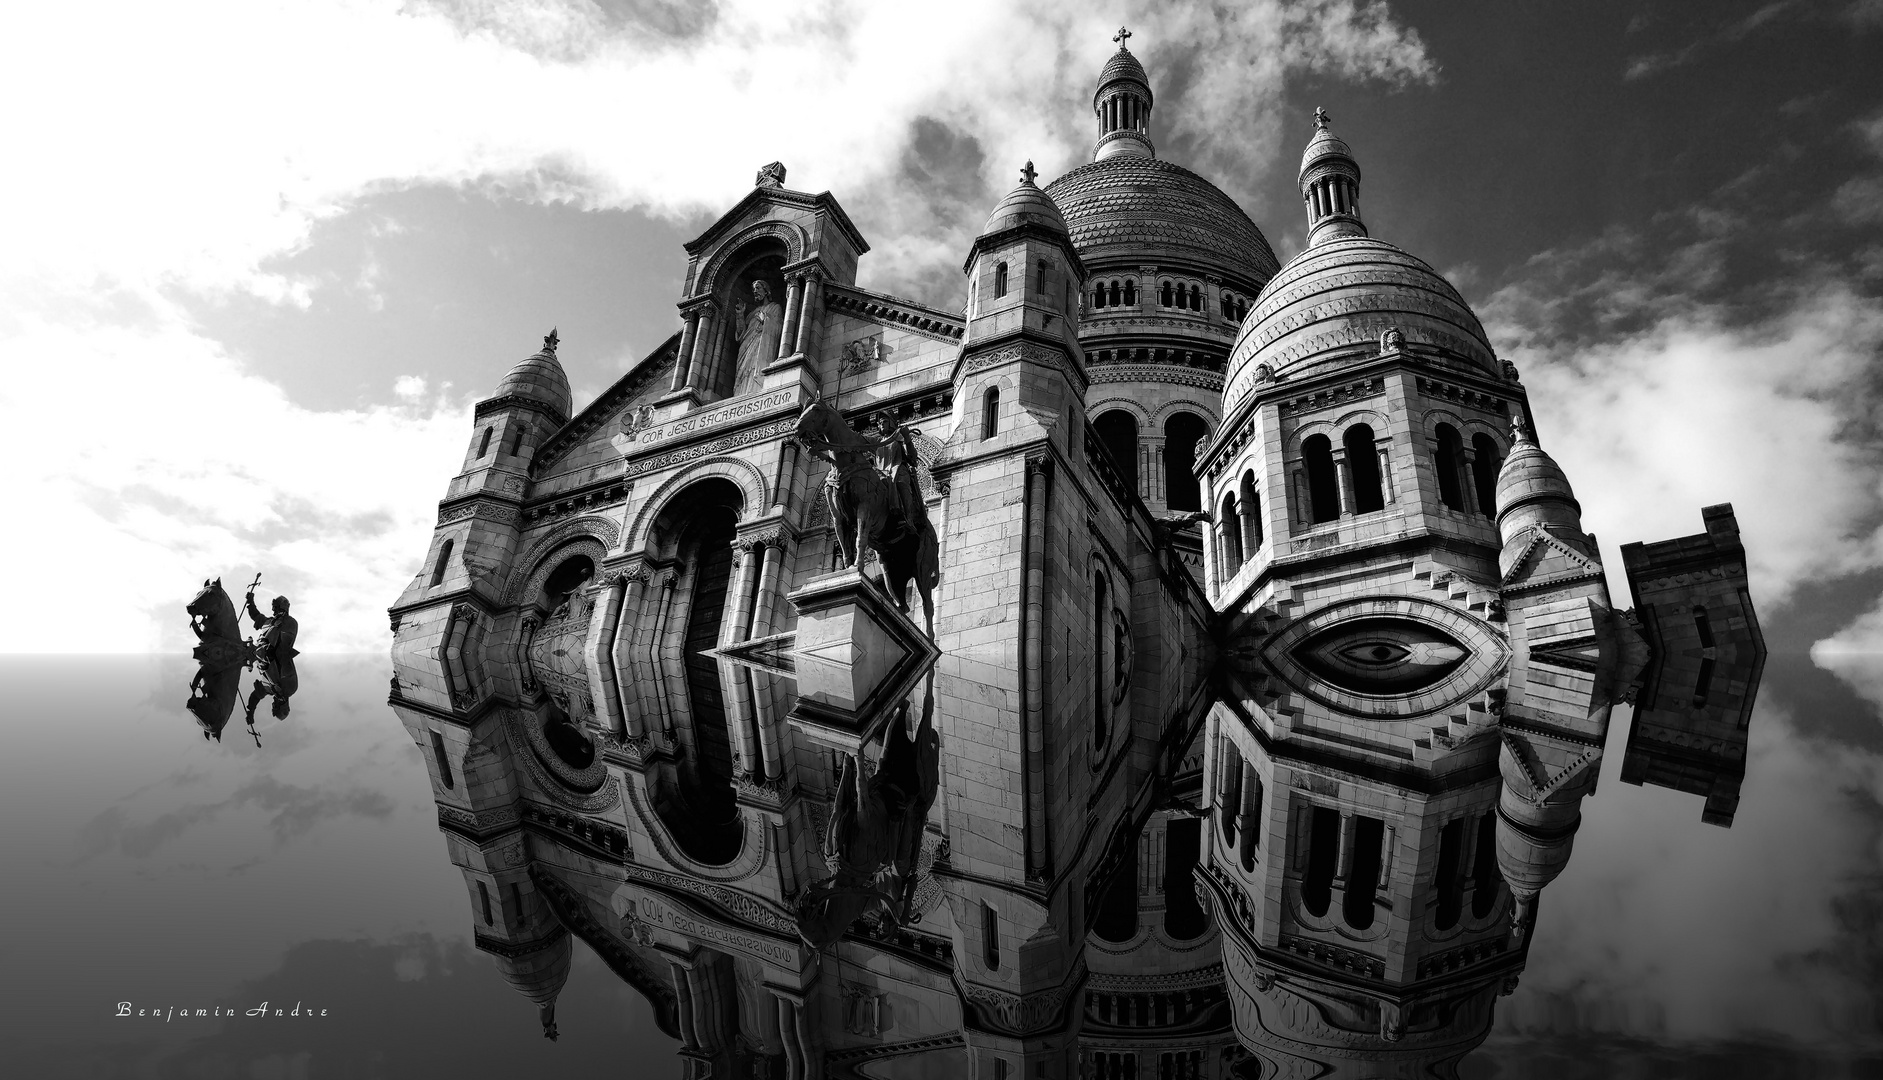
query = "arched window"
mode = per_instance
[
  {"x": 1317, "y": 457},
  {"x": 1041, "y": 280},
  {"x": 1251, "y": 514},
  {"x": 1242, "y": 310},
  {"x": 444, "y": 559},
  {"x": 1183, "y": 842},
  {"x": 1450, "y": 454},
  {"x": 1226, "y": 307},
  {"x": 1484, "y": 875},
  {"x": 1484, "y": 465},
  {"x": 516, "y": 440},
  {"x": 1181, "y": 435},
  {"x": 483, "y": 444},
  {"x": 1196, "y": 298},
  {"x": 1098, "y": 295},
  {"x": 1118, "y": 432},
  {"x": 1117, "y": 297},
  {"x": 1451, "y": 884},
  {"x": 1164, "y": 296},
  {"x": 1101, "y": 695},
  {"x": 990, "y": 413},
  {"x": 1000, "y": 279},
  {"x": 1363, "y": 873},
  {"x": 1229, "y": 537},
  {"x": 1131, "y": 293},
  {"x": 1323, "y": 855},
  {"x": 1363, "y": 464},
  {"x": 1117, "y": 918}
]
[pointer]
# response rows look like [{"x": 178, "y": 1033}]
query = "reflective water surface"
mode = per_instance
[{"x": 175, "y": 872}]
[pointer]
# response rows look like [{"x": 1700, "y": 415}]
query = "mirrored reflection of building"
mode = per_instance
[
  {"x": 1694, "y": 709},
  {"x": 1270, "y": 662}
]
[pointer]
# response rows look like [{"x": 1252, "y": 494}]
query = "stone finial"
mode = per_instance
[
  {"x": 1520, "y": 427},
  {"x": 549, "y": 343},
  {"x": 1121, "y": 37},
  {"x": 772, "y": 175},
  {"x": 1027, "y": 174},
  {"x": 1321, "y": 118}
]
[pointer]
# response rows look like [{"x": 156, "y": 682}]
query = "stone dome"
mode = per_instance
[
  {"x": 1141, "y": 209},
  {"x": 1331, "y": 304},
  {"x": 1529, "y": 474},
  {"x": 1025, "y": 205},
  {"x": 541, "y": 379},
  {"x": 1121, "y": 66},
  {"x": 1329, "y": 147}
]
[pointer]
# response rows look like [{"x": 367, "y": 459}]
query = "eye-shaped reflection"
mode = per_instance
[{"x": 1381, "y": 656}]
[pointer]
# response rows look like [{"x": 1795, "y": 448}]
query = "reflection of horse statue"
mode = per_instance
[
  {"x": 876, "y": 831},
  {"x": 875, "y": 501}
]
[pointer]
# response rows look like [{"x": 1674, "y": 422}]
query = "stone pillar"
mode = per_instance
[
  {"x": 701, "y": 366},
  {"x": 1467, "y": 480},
  {"x": 1037, "y": 475},
  {"x": 599, "y": 650},
  {"x": 788, "y": 1030},
  {"x": 1343, "y": 860},
  {"x": 1387, "y": 488},
  {"x": 683, "y": 998},
  {"x": 1343, "y": 474},
  {"x": 794, "y": 309},
  {"x": 1304, "y": 498},
  {"x": 787, "y": 476},
  {"x": 683, "y": 360},
  {"x": 656, "y": 677},
  {"x": 1251, "y": 519},
  {"x": 626, "y": 679},
  {"x": 768, "y": 579},
  {"x": 1248, "y": 829},
  {"x": 808, "y": 312}
]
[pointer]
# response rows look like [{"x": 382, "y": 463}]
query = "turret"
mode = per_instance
[
  {"x": 1330, "y": 185},
  {"x": 1534, "y": 494},
  {"x": 1021, "y": 349},
  {"x": 1122, "y": 104}
]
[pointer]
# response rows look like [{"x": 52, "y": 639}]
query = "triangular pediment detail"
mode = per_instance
[
  {"x": 1547, "y": 558},
  {"x": 1546, "y": 764}
]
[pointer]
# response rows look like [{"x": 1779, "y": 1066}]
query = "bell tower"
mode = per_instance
[{"x": 1122, "y": 104}]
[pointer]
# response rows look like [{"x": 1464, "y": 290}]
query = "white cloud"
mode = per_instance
[
  {"x": 164, "y": 147},
  {"x": 1855, "y": 655},
  {"x": 157, "y": 463},
  {"x": 1695, "y": 410}
]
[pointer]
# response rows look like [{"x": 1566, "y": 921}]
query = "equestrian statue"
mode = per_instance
[{"x": 875, "y": 501}]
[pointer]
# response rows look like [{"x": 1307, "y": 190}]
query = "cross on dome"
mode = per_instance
[
  {"x": 549, "y": 343},
  {"x": 1027, "y": 174},
  {"x": 1121, "y": 37}
]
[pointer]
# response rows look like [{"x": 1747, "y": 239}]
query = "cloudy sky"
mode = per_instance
[{"x": 260, "y": 258}]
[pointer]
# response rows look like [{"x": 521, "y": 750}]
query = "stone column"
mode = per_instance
[
  {"x": 788, "y": 1030},
  {"x": 1387, "y": 489},
  {"x": 683, "y": 999},
  {"x": 701, "y": 367},
  {"x": 1304, "y": 498},
  {"x": 1251, "y": 519},
  {"x": 656, "y": 673},
  {"x": 794, "y": 309},
  {"x": 683, "y": 360},
  {"x": 787, "y": 476},
  {"x": 599, "y": 649},
  {"x": 1037, "y": 473},
  {"x": 1248, "y": 829},
  {"x": 808, "y": 311},
  {"x": 1467, "y": 480},
  {"x": 1343, "y": 479}
]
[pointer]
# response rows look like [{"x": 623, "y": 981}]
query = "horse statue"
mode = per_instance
[
  {"x": 875, "y": 832},
  {"x": 217, "y": 627},
  {"x": 875, "y": 502}
]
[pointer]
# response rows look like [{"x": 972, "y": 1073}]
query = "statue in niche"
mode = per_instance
[{"x": 761, "y": 325}]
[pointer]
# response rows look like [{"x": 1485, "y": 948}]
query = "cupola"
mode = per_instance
[
  {"x": 1330, "y": 185},
  {"x": 1122, "y": 103},
  {"x": 540, "y": 379}
]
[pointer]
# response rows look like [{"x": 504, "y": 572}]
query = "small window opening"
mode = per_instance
[
  {"x": 1323, "y": 852},
  {"x": 483, "y": 444},
  {"x": 1450, "y": 453},
  {"x": 444, "y": 560},
  {"x": 444, "y": 763},
  {"x": 1363, "y": 464},
  {"x": 990, "y": 413},
  {"x": 990, "y": 936},
  {"x": 1000, "y": 280},
  {"x": 1484, "y": 876},
  {"x": 1317, "y": 456},
  {"x": 1363, "y": 877},
  {"x": 483, "y": 901}
]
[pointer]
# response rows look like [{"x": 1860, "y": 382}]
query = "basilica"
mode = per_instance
[{"x": 1155, "y": 663}]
